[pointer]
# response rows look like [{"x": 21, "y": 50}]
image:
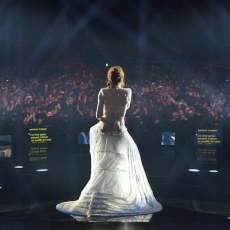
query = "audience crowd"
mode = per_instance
[{"x": 166, "y": 97}]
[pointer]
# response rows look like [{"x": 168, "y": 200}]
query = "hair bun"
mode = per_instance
[{"x": 115, "y": 75}]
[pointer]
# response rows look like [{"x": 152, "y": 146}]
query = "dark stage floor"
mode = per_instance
[{"x": 52, "y": 174}]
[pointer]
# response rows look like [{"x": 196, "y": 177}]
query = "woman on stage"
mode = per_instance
[{"x": 118, "y": 185}]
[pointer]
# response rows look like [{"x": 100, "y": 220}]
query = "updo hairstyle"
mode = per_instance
[{"x": 115, "y": 76}]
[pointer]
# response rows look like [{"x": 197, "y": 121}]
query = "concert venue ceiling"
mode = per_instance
[{"x": 200, "y": 28}]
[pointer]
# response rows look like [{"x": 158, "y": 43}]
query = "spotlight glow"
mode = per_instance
[
  {"x": 194, "y": 170},
  {"x": 18, "y": 167},
  {"x": 213, "y": 171},
  {"x": 42, "y": 170},
  {"x": 0, "y": 187}
]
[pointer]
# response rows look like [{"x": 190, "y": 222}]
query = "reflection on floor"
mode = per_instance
[{"x": 192, "y": 185}]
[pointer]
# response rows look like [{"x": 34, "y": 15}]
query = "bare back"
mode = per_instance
[{"x": 112, "y": 106}]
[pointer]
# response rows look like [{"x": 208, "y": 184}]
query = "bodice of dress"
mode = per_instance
[{"x": 112, "y": 106}]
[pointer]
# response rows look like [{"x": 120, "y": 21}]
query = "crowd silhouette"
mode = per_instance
[{"x": 167, "y": 97}]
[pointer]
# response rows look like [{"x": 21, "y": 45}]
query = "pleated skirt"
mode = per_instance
[{"x": 118, "y": 185}]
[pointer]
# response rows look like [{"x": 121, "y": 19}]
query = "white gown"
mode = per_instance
[{"x": 118, "y": 185}]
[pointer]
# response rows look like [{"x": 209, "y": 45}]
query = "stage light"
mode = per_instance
[
  {"x": 18, "y": 167},
  {"x": 213, "y": 171},
  {"x": 42, "y": 170},
  {"x": 194, "y": 170},
  {"x": 106, "y": 64},
  {"x": 0, "y": 187}
]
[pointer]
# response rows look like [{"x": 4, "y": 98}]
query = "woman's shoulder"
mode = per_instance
[
  {"x": 105, "y": 91},
  {"x": 108, "y": 89},
  {"x": 102, "y": 90},
  {"x": 128, "y": 91}
]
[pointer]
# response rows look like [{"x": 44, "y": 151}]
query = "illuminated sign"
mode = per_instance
[
  {"x": 38, "y": 153},
  {"x": 39, "y": 135},
  {"x": 206, "y": 155},
  {"x": 212, "y": 137}
]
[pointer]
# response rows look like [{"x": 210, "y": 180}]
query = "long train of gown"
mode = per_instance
[{"x": 118, "y": 184}]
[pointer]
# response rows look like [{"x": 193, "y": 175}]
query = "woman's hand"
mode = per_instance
[{"x": 102, "y": 119}]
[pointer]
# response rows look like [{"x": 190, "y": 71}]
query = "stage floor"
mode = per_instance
[{"x": 32, "y": 183}]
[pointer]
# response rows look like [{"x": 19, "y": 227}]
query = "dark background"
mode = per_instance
[{"x": 149, "y": 30}]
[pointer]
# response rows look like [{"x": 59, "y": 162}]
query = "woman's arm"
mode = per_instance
[
  {"x": 100, "y": 106},
  {"x": 129, "y": 97}
]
